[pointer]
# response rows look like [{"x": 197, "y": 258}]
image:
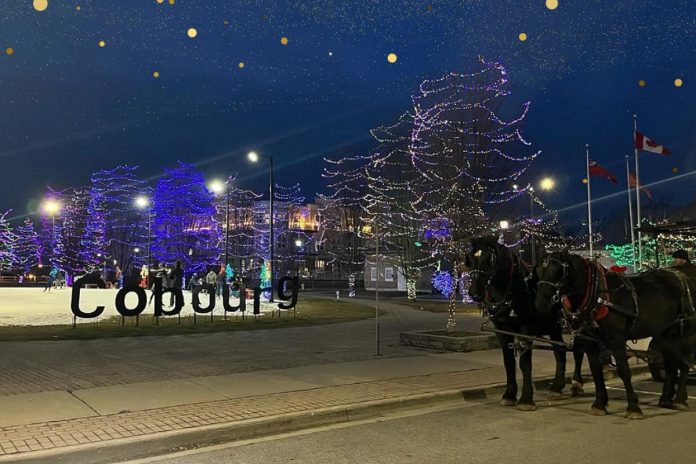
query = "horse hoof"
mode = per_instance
[
  {"x": 576, "y": 391},
  {"x": 555, "y": 395},
  {"x": 681, "y": 406},
  {"x": 633, "y": 415},
  {"x": 508, "y": 402},
  {"x": 665, "y": 405},
  {"x": 526, "y": 407},
  {"x": 598, "y": 411}
]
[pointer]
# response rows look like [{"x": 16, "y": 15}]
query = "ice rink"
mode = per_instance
[{"x": 33, "y": 306}]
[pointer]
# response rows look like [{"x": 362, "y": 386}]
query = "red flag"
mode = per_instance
[
  {"x": 632, "y": 184},
  {"x": 597, "y": 170},
  {"x": 645, "y": 144}
]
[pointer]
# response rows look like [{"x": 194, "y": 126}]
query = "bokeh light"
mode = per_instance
[
  {"x": 102, "y": 44},
  {"x": 40, "y": 5},
  {"x": 392, "y": 58},
  {"x": 523, "y": 36},
  {"x": 678, "y": 82},
  {"x": 171, "y": 2},
  {"x": 284, "y": 40},
  {"x": 241, "y": 65},
  {"x": 641, "y": 83},
  {"x": 584, "y": 180},
  {"x": 155, "y": 74},
  {"x": 192, "y": 32},
  {"x": 551, "y": 4},
  {"x": 675, "y": 169},
  {"x": 9, "y": 51}
]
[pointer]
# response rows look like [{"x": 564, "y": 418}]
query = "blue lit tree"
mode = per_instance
[
  {"x": 183, "y": 226},
  {"x": 74, "y": 221},
  {"x": 27, "y": 249}
]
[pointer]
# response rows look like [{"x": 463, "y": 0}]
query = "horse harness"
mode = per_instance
[{"x": 495, "y": 309}]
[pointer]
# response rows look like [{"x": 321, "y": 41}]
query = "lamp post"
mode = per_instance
[
  {"x": 52, "y": 207},
  {"x": 143, "y": 202},
  {"x": 217, "y": 187},
  {"x": 298, "y": 245},
  {"x": 254, "y": 158}
]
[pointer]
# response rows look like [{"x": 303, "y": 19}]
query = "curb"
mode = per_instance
[{"x": 166, "y": 442}]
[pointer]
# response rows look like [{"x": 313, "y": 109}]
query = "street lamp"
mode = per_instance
[
  {"x": 254, "y": 158},
  {"x": 143, "y": 202},
  {"x": 547, "y": 183},
  {"x": 52, "y": 207},
  {"x": 217, "y": 187},
  {"x": 504, "y": 225},
  {"x": 298, "y": 244}
]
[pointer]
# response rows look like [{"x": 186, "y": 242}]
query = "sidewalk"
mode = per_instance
[{"x": 120, "y": 422}]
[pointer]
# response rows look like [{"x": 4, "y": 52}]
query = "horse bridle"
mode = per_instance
[
  {"x": 495, "y": 306},
  {"x": 561, "y": 282}
]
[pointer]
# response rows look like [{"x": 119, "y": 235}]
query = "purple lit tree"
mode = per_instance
[
  {"x": 115, "y": 227},
  {"x": 184, "y": 227},
  {"x": 74, "y": 221},
  {"x": 27, "y": 247}
]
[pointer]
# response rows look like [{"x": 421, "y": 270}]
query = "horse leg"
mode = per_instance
[
  {"x": 633, "y": 410},
  {"x": 526, "y": 402},
  {"x": 578, "y": 382},
  {"x": 559, "y": 354},
  {"x": 510, "y": 395},
  {"x": 599, "y": 407},
  {"x": 671, "y": 374},
  {"x": 680, "y": 401}
]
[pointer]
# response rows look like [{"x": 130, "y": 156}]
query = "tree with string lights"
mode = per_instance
[
  {"x": 27, "y": 248},
  {"x": 8, "y": 242},
  {"x": 115, "y": 226},
  {"x": 183, "y": 226},
  {"x": 73, "y": 225},
  {"x": 288, "y": 202},
  {"x": 468, "y": 156}
]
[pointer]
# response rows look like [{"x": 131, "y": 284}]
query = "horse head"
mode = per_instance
[
  {"x": 560, "y": 279},
  {"x": 490, "y": 264}
]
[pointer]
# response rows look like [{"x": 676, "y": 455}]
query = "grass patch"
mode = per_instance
[
  {"x": 439, "y": 306},
  {"x": 310, "y": 311}
]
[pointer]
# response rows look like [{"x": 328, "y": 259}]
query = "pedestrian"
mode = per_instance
[
  {"x": 210, "y": 279},
  {"x": 118, "y": 281},
  {"x": 221, "y": 280},
  {"x": 683, "y": 263},
  {"x": 51, "y": 279},
  {"x": 144, "y": 277},
  {"x": 176, "y": 280},
  {"x": 163, "y": 275}
]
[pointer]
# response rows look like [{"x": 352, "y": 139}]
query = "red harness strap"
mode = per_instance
[{"x": 602, "y": 311}]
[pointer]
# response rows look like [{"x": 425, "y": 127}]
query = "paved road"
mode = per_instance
[
  {"x": 480, "y": 433},
  {"x": 31, "y": 367}
]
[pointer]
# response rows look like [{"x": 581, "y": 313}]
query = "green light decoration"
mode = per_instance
[{"x": 665, "y": 246}]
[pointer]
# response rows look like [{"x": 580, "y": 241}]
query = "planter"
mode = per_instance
[{"x": 449, "y": 341}]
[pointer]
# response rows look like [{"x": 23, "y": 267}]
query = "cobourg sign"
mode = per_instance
[{"x": 284, "y": 284}]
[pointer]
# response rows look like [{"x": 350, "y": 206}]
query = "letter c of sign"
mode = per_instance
[{"x": 75, "y": 302}]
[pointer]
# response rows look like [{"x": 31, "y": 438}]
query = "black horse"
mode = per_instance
[
  {"x": 499, "y": 281},
  {"x": 605, "y": 309}
]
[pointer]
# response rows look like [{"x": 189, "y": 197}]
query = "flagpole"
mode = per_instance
[
  {"x": 630, "y": 212},
  {"x": 635, "y": 147},
  {"x": 589, "y": 199}
]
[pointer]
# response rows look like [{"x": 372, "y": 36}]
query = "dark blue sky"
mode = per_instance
[{"x": 69, "y": 107}]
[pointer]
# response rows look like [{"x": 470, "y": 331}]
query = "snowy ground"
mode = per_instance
[{"x": 32, "y": 306}]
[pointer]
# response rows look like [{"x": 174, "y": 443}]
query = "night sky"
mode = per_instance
[{"x": 152, "y": 95}]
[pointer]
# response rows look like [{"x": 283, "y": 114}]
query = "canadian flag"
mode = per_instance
[
  {"x": 645, "y": 144},
  {"x": 597, "y": 170}
]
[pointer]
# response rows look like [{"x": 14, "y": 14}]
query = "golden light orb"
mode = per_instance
[
  {"x": 160, "y": 1},
  {"x": 192, "y": 32},
  {"x": 392, "y": 58},
  {"x": 241, "y": 65},
  {"x": 678, "y": 82},
  {"x": 584, "y": 181},
  {"x": 9, "y": 51},
  {"x": 78, "y": 8},
  {"x": 551, "y": 4},
  {"x": 171, "y": 2},
  {"x": 522, "y": 36},
  {"x": 675, "y": 169},
  {"x": 102, "y": 44},
  {"x": 641, "y": 83},
  {"x": 284, "y": 40},
  {"x": 155, "y": 74},
  {"x": 40, "y": 5}
]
